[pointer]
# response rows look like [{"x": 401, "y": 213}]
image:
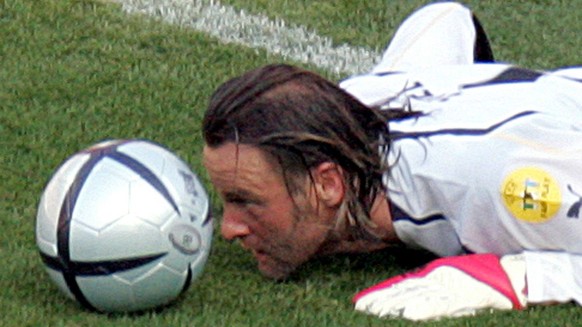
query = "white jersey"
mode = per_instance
[
  {"x": 469, "y": 175},
  {"x": 493, "y": 164}
]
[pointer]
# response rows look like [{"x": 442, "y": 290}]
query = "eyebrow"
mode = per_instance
[{"x": 242, "y": 194}]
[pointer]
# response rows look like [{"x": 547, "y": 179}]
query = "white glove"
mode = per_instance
[{"x": 449, "y": 287}]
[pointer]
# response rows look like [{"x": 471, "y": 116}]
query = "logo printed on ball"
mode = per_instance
[{"x": 185, "y": 239}]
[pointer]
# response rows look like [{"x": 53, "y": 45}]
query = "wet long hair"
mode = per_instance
[{"x": 300, "y": 120}]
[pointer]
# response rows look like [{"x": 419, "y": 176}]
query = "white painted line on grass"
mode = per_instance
[{"x": 290, "y": 41}]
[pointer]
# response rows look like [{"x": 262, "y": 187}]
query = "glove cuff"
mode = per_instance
[{"x": 515, "y": 268}]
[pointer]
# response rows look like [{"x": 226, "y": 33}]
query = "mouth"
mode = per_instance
[{"x": 258, "y": 254}]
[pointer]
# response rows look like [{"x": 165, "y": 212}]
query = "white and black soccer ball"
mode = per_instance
[{"x": 123, "y": 226}]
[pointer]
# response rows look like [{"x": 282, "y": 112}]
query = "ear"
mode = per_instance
[{"x": 329, "y": 183}]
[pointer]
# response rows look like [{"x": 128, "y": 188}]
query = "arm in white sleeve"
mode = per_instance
[
  {"x": 442, "y": 33},
  {"x": 553, "y": 277}
]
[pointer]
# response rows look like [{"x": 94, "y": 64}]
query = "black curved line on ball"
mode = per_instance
[
  {"x": 208, "y": 217},
  {"x": 68, "y": 267},
  {"x": 144, "y": 173},
  {"x": 99, "y": 268},
  {"x": 64, "y": 224},
  {"x": 188, "y": 281}
]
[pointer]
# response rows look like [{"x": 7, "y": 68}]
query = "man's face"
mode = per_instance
[{"x": 281, "y": 232}]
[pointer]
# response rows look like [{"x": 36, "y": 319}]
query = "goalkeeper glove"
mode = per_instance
[{"x": 449, "y": 287}]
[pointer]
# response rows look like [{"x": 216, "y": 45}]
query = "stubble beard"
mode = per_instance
[
  {"x": 286, "y": 254},
  {"x": 277, "y": 269}
]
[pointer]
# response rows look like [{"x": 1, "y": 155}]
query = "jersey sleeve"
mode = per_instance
[
  {"x": 553, "y": 276},
  {"x": 437, "y": 34}
]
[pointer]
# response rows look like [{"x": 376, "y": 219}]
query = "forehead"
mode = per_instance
[{"x": 240, "y": 166}]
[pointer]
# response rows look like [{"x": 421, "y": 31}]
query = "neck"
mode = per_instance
[{"x": 382, "y": 229}]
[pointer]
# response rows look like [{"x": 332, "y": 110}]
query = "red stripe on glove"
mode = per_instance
[{"x": 483, "y": 267}]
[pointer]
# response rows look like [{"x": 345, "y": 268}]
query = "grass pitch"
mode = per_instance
[{"x": 75, "y": 72}]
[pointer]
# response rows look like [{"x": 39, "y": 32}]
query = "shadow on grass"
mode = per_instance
[{"x": 387, "y": 262}]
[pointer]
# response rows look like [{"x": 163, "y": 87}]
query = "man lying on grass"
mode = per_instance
[{"x": 437, "y": 147}]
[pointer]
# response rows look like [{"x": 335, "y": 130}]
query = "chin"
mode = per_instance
[{"x": 277, "y": 273}]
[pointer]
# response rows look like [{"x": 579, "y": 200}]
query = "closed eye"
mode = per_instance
[
  {"x": 241, "y": 198},
  {"x": 236, "y": 200}
]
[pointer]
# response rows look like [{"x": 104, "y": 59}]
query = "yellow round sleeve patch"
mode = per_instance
[{"x": 531, "y": 194}]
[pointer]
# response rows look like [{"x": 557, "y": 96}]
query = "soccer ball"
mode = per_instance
[{"x": 124, "y": 226}]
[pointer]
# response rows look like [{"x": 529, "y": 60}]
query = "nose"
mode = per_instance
[{"x": 232, "y": 226}]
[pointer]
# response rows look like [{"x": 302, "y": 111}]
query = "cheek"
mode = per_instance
[{"x": 271, "y": 222}]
